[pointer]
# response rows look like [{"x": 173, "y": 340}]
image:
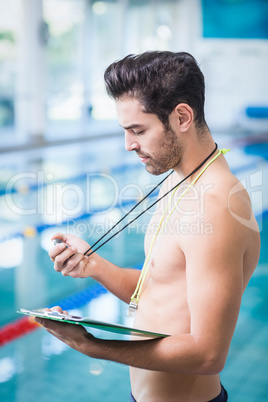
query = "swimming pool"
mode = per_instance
[{"x": 37, "y": 363}]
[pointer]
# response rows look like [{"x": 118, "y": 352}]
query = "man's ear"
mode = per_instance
[{"x": 184, "y": 116}]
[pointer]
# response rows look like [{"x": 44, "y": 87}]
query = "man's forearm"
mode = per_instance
[
  {"x": 172, "y": 354},
  {"x": 184, "y": 353},
  {"x": 119, "y": 281}
]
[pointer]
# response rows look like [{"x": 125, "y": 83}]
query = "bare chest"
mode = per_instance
[
  {"x": 170, "y": 228},
  {"x": 164, "y": 255}
]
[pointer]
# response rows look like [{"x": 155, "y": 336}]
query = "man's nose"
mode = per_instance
[{"x": 131, "y": 143}]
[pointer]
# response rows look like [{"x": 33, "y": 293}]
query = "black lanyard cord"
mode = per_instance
[
  {"x": 120, "y": 220},
  {"x": 150, "y": 206}
]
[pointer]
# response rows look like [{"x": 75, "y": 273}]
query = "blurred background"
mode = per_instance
[{"x": 63, "y": 168}]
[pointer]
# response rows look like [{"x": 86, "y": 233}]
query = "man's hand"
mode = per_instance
[
  {"x": 71, "y": 334},
  {"x": 69, "y": 258}
]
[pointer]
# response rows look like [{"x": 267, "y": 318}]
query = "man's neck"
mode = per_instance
[{"x": 195, "y": 152}]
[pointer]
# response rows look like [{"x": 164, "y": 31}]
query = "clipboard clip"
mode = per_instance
[{"x": 51, "y": 314}]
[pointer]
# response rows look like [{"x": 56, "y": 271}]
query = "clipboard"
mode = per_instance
[{"x": 85, "y": 321}]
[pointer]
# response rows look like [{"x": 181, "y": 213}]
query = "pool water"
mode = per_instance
[{"x": 39, "y": 366}]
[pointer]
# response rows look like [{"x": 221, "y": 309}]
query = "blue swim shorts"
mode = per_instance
[{"x": 222, "y": 397}]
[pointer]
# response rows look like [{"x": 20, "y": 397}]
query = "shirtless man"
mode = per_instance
[{"x": 197, "y": 273}]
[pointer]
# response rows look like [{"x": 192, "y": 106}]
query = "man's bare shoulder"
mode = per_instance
[
  {"x": 227, "y": 199},
  {"x": 220, "y": 201},
  {"x": 228, "y": 212}
]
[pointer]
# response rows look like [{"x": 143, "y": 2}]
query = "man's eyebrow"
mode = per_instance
[{"x": 131, "y": 126}]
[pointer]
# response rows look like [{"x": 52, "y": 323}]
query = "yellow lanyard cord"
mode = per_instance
[{"x": 136, "y": 295}]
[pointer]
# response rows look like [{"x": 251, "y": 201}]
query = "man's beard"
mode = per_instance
[{"x": 168, "y": 156}]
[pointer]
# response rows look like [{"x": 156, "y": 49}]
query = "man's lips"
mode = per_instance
[{"x": 143, "y": 158}]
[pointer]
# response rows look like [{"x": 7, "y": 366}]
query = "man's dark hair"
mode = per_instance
[{"x": 159, "y": 81}]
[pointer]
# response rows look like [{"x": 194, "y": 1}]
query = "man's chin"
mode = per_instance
[{"x": 155, "y": 171}]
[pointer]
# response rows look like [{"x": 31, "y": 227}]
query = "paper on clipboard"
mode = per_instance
[{"x": 85, "y": 321}]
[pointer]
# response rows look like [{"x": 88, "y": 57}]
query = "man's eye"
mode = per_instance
[{"x": 138, "y": 133}]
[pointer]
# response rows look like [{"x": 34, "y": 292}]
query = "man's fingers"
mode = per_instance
[
  {"x": 49, "y": 324},
  {"x": 60, "y": 236},
  {"x": 64, "y": 257},
  {"x": 74, "y": 266},
  {"x": 54, "y": 251},
  {"x": 57, "y": 308},
  {"x": 65, "y": 254}
]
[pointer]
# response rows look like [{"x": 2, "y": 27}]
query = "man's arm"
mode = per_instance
[
  {"x": 71, "y": 261},
  {"x": 214, "y": 291}
]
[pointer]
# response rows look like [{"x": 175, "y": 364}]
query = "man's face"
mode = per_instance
[{"x": 158, "y": 148}]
